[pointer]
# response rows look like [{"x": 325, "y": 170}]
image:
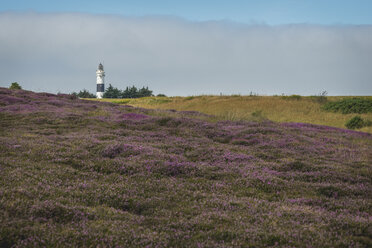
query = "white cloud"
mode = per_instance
[{"x": 60, "y": 52}]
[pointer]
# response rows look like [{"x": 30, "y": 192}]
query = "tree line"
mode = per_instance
[
  {"x": 113, "y": 92},
  {"x": 129, "y": 92}
]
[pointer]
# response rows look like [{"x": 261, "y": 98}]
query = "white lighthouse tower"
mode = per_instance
[{"x": 100, "y": 81}]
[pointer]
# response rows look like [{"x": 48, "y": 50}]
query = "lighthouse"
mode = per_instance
[{"x": 100, "y": 81}]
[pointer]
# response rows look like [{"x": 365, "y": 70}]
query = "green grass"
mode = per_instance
[{"x": 292, "y": 108}]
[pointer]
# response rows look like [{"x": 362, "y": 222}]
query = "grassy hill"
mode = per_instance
[
  {"x": 76, "y": 173},
  {"x": 274, "y": 108}
]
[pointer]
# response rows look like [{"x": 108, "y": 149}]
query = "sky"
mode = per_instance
[{"x": 189, "y": 47}]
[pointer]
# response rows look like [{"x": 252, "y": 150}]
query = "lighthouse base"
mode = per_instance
[{"x": 99, "y": 95}]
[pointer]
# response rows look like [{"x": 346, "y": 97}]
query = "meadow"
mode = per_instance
[
  {"x": 302, "y": 109},
  {"x": 78, "y": 173}
]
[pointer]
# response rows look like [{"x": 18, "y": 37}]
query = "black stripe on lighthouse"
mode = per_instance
[{"x": 100, "y": 88}]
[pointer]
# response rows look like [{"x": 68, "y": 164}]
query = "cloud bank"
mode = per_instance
[{"x": 61, "y": 51}]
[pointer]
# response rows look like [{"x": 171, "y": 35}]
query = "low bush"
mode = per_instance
[
  {"x": 350, "y": 105},
  {"x": 355, "y": 123},
  {"x": 84, "y": 94},
  {"x": 15, "y": 86},
  {"x": 129, "y": 92}
]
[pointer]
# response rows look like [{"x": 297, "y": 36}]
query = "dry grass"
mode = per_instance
[{"x": 274, "y": 108}]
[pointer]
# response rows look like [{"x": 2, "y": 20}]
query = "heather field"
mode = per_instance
[{"x": 77, "y": 173}]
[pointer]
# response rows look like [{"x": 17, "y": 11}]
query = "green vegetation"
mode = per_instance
[
  {"x": 355, "y": 123},
  {"x": 350, "y": 105},
  {"x": 133, "y": 92},
  {"x": 129, "y": 92},
  {"x": 304, "y": 109},
  {"x": 84, "y": 94},
  {"x": 112, "y": 92},
  {"x": 15, "y": 86}
]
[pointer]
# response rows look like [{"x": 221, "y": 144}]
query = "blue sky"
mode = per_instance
[{"x": 272, "y": 12}]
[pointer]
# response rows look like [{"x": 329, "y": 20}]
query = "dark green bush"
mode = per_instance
[
  {"x": 355, "y": 123},
  {"x": 129, "y": 92},
  {"x": 112, "y": 92},
  {"x": 367, "y": 123},
  {"x": 84, "y": 94},
  {"x": 350, "y": 105},
  {"x": 15, "y": 86},
  {"x": 133, "y": 92}
]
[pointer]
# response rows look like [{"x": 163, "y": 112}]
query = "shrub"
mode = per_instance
[
  {"x": 367, "y": 123},
  {"x": 15, "y": 86},
  {"x": 84, "y": 94},
  {"x": 144, "y": 91},
  {"x": 112, "y": 92},
  {"x": 161, "y": 95},
  {"x": 350, "y": 105},
  {"x": 129, "y": 92},
  {"x": 355, "y": 123},
  {"x": 133, "y": 92}
]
